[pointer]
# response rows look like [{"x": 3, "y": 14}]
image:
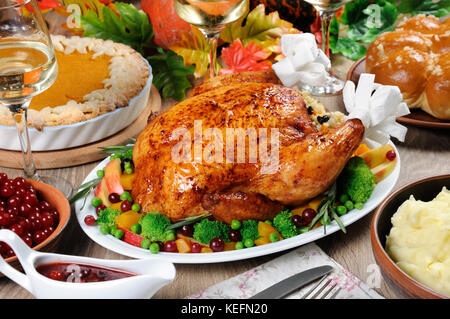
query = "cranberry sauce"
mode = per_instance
[{"x": 71, "y": 272}]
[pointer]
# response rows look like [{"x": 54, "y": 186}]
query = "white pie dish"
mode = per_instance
[{"x": 73, "y": 135}]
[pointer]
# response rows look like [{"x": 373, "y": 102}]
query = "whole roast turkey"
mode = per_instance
[{"x": 307, "y": 161}]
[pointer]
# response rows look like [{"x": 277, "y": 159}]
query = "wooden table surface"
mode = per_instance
[{"x": 425, "y": 153}]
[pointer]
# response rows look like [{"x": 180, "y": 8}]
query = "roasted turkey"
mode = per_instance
[{"x": 172, "y": 179}]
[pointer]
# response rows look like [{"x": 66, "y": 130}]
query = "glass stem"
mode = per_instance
[
  {"x": 213, "y": 38},
  {"x": 325, "y": 17},
  {"x": 19, "y": 113}
]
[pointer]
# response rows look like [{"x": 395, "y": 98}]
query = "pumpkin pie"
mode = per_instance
[{"x": 94, "y": 77}]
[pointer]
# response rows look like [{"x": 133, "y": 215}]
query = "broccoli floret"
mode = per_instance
[
  {"x": 108, "y": 217},
  {"x": 356, "y": 180},
  {"x": 249, "y": 230},
  {"x": 154, "y": 225},
  {"x": 283, "y": 223},
  {"x": 206, "y": 230}
]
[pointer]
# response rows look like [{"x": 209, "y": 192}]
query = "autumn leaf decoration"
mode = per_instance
[{"x": 249, "y": 58}]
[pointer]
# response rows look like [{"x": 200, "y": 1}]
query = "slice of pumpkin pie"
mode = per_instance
[{"x": 95, "y": 77}]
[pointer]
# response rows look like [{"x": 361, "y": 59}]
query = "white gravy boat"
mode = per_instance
[{"x": 152, "y": 274}]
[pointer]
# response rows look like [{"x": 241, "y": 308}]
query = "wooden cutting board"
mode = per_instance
[{"x": 86, "y": 153}]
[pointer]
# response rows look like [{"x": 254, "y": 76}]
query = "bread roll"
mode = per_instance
[{"x": 415, "y": 57}]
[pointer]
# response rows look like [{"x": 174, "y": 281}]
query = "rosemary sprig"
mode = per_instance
[
  {"x": 84, "y": 190},
  {"x": 327, "y": 211},
  {"x": 121, "y": 149},
  {"x": 187, "y": 221}
]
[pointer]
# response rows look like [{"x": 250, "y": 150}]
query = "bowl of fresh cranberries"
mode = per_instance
[{"x": 35, "y": 211}]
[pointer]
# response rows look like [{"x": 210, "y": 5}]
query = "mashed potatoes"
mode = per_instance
[{"x": 419, "y": 241}]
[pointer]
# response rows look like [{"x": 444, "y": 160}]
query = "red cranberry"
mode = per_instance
[
  {"x": 298, "y": 220},
  {"x": 31, "y": 199},
  {"x": 18, "y": 229},
  {"x": 196, "y": 248},
  {"x": 3, "y": 177},
  {"x": 2, "y": 203},
  {"x": 25, "y": 209},
  {"x": 28, "y": 240},
  {"x": 391, "y": 155},
  {"x": 187, "y": 230},
  {"x": 21, "y": 192},
  {"x": 114, "y": 198},
  {"x": 89, "y": 220},
  {"x": 47, "y": 219},
  {"x": 308, "y": 215},
  {"x": 48, "y": 231},
  {"x": 5, "y": 219},
  {"x": 24, "y": 222},
  {"x": 39, "y": 237},
  {"x": 34, "y": 216},
  {"x": 9, "y": 253},
  {"x": 44, "y": 205},
  {"x": 234, "y": 235},
  {"x": 14, "y": 201},
  {"x": 7, "y": 191},
  {"x": 217, "y": 244},
  {"x": 99, "y": 208},
  {"x": 19, "y": 181},
  {"x": 170, "y": 246},
  {"x": 125, "y": 205}
]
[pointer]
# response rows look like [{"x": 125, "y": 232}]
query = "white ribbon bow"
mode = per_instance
[{"x": 377, "y": 106}]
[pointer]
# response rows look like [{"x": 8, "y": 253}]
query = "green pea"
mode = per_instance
[
  {"x": 136, "y": 228},
  {"x": 341, "y": 210},
  {"x": 239, "y": 245},
  {"x": 154, "y": 248},
  {"x": 127, "y": 165},
  {"x": 96, "y": 201},
  {"x": 104, "y": 229},
  {"x": 100, "y": 173},
  {"x": 112, "y": 230},
  {"x": 136, "y": 207},
  {"x": 268, "y": 222},
  {"x": 273, "y": 237},
  {"x": 145, "y": 243},
  {"x": 125, "y": 196},
  {"x": 235, "y": 224},
  {"x": 170, "y": 236},
  {"x": 118, "y": 233},
  {"x": 344, "y": 198},
  {"x": 303, "y": 229},
  {"x": 128, "y": 171},
  {"x": 349, "y": 205},
  {"x": 359, "y": 205},
  {"x": 249, "y": 243}
]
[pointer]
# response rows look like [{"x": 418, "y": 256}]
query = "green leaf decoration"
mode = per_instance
[
  {"x": 437, "y": 8},
  {"x": 170, "y": 74},
  {"x": 132, "y": 27}
]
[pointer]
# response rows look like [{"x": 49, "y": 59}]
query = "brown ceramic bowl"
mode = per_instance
[
  {"x": 61, "y": 204},
  {"x": 399, "y": 281}
]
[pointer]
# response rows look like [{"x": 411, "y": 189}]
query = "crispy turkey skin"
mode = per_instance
[{"x": 307, "y": 162}]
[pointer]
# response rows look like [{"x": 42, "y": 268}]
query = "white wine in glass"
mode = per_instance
[
  {"x": 327, "y": 9},
  {"x": 211, "y": 16},
  {"x": 27, "y": 67}
]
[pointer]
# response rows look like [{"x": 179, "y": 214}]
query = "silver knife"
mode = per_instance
[{"x": 292, "y": 283}]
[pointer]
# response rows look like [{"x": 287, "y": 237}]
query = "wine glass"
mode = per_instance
[
  {"x": 211, "y": 16},
  {"x": 327, "y": 9},
  {"x": 27, "y": 67}
]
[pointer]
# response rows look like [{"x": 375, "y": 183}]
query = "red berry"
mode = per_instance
[
  {"x": 89, "y": 220},
  {"x": 391, "y": 155},
  {"x": 39, "y": 237},
  {"x": 125, "y": 205},
  {"x": 44, "y": 205},
  {"x": 31, "y": 199},
  {"x": 99, "y": 208},
  {"x": 187, "y": 230},
  {"x": 12, "y": 210},
  {"x": 234, "y": 235},
  {"x": 14, "y": 201},
  {"x": 21, "y": 192},
  {"x": 308, "y": 215},
  {"x": 55, "y": 217},
  {"x": 19, "y": 181},
  {"x": 5, "y": 219},
  {"x": 25, "y": 209},
  {"x": 217, "y": 244},
  {"x": 170, "y": 246},
  {"x": 3, "y": 177},
  {"x": 114, "y": 198},
  {"x": 298, "y": 220},
  {"x": 47, "y": 219},
  {"x": 7, "y": 191},
  {"x": 48, "y": 231},
  {"x": 196, "y": 248},
  {"x": 28, "y": 240},
  {"x": 18, "y": 229},
  {"x": 25, "y": 222}
]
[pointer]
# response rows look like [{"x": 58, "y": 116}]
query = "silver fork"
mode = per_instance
[{"x": 323, "y": 290}]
